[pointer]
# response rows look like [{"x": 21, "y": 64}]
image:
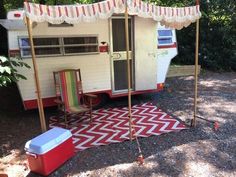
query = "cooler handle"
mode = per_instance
[{"x": 31, "y": 154}]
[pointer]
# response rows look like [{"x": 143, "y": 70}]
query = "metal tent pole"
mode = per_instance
[
  {"x": 39, "y": 99},
  {"x": 196, "y": 72},
  {"x": 128, "y": 69}
]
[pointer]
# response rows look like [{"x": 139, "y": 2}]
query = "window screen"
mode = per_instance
[
  {"x": 165, "y": 37},
  {"x": 58, "y": 46},
  {"x": 162, "y": 41},
  {"x": 73, "y": 45},
  {"x": 164, "y": 32}
]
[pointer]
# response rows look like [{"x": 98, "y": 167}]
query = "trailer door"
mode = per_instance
[
  {"x": 118, "y": 54},
  {"x": 145, "y": 54}
]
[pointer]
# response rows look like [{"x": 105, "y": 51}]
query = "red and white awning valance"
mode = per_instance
[{"x": 169, "y": 16}]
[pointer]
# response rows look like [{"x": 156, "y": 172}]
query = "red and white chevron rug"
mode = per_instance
[{"x": 112, "y": 125}]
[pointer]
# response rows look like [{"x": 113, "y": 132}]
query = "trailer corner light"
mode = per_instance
[
  {"x": 17, "y": 15},
  {"x": 160, "y": 86}
]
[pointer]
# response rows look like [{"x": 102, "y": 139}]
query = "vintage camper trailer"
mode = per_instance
[{"x": 98, "y": 49}]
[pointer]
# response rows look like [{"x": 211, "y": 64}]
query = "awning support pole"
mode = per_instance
[
  {"x": 196, "y": 75},
  {"x": 128, "y": 70},
  {"x": 39, "y": 99}
]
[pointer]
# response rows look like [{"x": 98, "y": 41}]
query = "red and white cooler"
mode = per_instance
[{"x": 49, "y": 150}]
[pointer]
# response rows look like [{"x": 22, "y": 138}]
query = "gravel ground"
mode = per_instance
[{"x": 199, "y": 151}]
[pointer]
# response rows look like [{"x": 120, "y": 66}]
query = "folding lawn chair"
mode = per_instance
[{"x": 69, "y": 93}]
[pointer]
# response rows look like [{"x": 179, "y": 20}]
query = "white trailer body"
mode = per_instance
[{"x": 98, "y": 49}]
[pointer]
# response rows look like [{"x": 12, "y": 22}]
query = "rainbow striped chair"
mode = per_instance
[{"x": 69, "y": 93}]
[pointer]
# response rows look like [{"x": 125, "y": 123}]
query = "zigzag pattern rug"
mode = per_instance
[{"x": 112, "y": 125}]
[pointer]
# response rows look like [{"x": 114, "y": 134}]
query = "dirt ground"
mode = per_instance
[{"x": 199, "y": 151}]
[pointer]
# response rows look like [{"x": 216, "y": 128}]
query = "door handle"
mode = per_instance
[{"x": 116, "y": 56}]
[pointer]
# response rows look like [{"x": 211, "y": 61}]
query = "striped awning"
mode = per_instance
[{"x": 173, "y": 17}]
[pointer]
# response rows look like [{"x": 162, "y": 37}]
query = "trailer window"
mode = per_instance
[
  {"x": 80, "y": 45},
  {"x": 43, "y": 46},
  {"x": 165, "y": 37},
  {"x": 163, "y": 41},
  {"x": 58, "y": 46},
  {"x": 164, "y": 32}
]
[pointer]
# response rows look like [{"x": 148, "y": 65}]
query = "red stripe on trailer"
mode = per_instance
[
  {"x": 167, "y": 46},
  {"x": 48, "y": 102},
  {"x": 14, "y": 52},
  {"x": 32, "y": 104},
  {"x": 159, "y": 88}
]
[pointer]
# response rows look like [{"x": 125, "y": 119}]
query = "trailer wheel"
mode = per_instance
[{"x": 98, "y": 102}]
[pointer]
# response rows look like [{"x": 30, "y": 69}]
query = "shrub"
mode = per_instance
[
  {"x": 217, "y": 37},
  {"x": 8, "y": 71}
]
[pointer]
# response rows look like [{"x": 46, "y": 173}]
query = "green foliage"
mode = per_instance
[
  {"x": 217, "y": 49},
  {"x": 173, "y": 3},
  {"x": 8, "y": 72},
  {"x": 217, "y": 37},
  {"x": 3, "y": 32},
  {"x": 15, "y": 4}
]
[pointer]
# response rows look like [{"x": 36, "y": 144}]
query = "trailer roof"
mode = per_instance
[{"x": 13, "y": 24}]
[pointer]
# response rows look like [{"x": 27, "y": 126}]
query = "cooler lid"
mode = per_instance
[{"x": 47, "y": 141}]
